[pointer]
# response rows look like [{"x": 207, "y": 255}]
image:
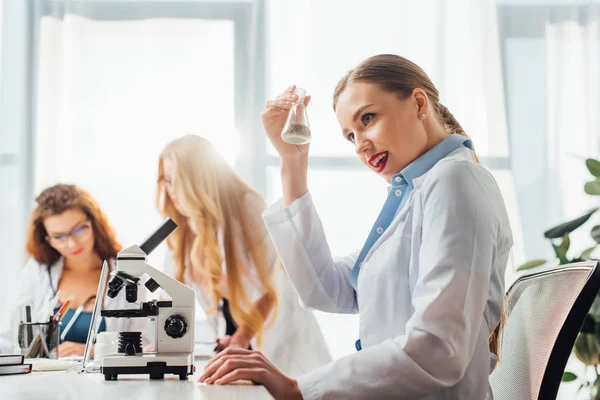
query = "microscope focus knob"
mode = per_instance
[{"x": 176, "y": 326}]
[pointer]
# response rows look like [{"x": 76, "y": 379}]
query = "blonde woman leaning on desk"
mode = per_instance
[
  {"x": 69, "y": 238},
  {"x": 223, "y": 251},
  {"x": 428, "y": 284}
]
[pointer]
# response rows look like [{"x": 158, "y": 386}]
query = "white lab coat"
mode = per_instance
[
  {"x": 294, "y": 342},
  {"x": 34, "y": 289},
  {"x": 430, "y": 291}
]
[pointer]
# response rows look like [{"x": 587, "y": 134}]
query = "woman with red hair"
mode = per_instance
[{"x": 68, "y": 240}]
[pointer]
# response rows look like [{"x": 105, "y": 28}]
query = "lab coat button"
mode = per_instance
[{"x": 379, "y": 230}]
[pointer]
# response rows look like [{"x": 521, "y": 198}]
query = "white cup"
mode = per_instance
[
  {"x": 106, "y": 343},
  {"x": 107, "y": 337}
]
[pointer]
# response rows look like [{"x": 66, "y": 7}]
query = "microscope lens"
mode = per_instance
[{"x": 131, "y": 293}]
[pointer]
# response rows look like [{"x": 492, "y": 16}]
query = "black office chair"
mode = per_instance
[{"x": 545, "y": 311}]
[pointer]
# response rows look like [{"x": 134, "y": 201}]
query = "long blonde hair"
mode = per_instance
[{"x": 215, "y": 199}]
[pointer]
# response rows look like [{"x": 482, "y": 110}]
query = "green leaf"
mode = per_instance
[
  {"x": 531, "y": 264},
  {"x": 569, "y": 377},
  {"x": 588, "y": 252},
  {"x": 561, "y": 254},
  {"x": 596, "y": 233},
  {"x": 593, "y": 166},
  {"x": 568, "y": 227},
  {"x": 595, "y": 314},
  {"x": 592, "y": 188},
  {"x": 586, "y": 349},
  {"x": 566, "y": 243},
  {"x": 596, "y": 389}
]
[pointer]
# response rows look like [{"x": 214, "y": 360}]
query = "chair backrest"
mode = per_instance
[{"x": 545, "y": 310}]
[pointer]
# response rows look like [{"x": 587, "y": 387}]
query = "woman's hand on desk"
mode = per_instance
[
  {"x": 234, "y": 364},
  {"x": 67, "y": 349}
]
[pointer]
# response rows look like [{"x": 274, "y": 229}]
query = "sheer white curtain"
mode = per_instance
[
  {"x": 573, "y": 120},
  {"x": 552, "y": 57},
  {"x": 15, "y": 134},
  {"x": 573, "y": 105},
  {"x": 551, "y": 72},
  {"x": 313, "y": 43},
  {"x": 111, "y": 94}
]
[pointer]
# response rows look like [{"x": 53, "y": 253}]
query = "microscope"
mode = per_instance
[{"x": 174, "y": 340}]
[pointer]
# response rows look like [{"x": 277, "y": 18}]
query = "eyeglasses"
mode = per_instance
[{"x": 79, "y": 233}]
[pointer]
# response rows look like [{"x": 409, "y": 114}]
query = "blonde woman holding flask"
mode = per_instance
[{"x": 428, "y": 284}]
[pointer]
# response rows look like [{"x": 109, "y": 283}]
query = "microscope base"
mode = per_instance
[{"x": 155, "y": 371}]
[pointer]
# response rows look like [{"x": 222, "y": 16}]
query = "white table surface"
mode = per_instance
[{"x": 62, "y": 385}]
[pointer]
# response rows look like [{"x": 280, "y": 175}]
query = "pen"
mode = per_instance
[
  {"x": 63, "y": 335},
  {"x": 29, "y": 327},
  {"x": 55, "y": 320},
  {"x": 30, "y": 349},
  {"x": 52, "y": 304},
  {"x": 62, "y": 308}
]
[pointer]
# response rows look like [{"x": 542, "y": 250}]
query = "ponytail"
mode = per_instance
[{"x": 452, "y": 125}]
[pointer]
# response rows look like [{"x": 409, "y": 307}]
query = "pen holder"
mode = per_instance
[{"x": 39, "y": 339}]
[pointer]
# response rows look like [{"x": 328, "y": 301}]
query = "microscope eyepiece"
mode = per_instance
[
  {"x": 158, "y": 236},
  {"x": 117, "y": 282},
  {"x": 114, "y": 286}
]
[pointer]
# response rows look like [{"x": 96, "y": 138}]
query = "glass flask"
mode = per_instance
[{"x": 296, "y": 129}]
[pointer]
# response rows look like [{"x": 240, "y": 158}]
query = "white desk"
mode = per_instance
[{"x": 61, "y": 385}]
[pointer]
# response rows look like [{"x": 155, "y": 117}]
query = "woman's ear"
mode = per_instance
[{"x": 421, "y": 102}]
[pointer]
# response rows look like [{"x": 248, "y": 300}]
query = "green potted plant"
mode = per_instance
[{"x": 587, "y": 345}]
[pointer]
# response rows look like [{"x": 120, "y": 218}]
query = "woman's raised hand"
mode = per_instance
[{"x": 273, "y": 119}]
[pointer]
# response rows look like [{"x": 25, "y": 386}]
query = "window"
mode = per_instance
[
  {"x": 550, "y": 58},
  {"x": 551, "y": 55},
  {"x": 15, "y": 172}
]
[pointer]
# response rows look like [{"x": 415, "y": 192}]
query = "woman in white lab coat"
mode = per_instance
[
  {"x": 68, "y": 239},
  {"x": 428, "y": 284},
  {"x": 223, "y": 251}
]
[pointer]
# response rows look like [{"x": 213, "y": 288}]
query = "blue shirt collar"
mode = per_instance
[{"x": 424, "y": 163}]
